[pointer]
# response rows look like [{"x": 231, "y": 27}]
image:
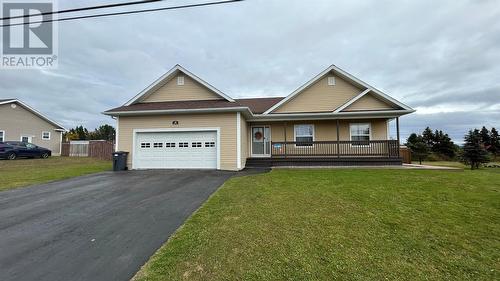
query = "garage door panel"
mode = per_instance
[{"x": 176, "y": 150}]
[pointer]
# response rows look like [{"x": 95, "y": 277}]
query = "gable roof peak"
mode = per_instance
[
  {"x": 344, "y": 74},
  {"x": 32, "y": 110},
  {"x": 169, "y": 75}
]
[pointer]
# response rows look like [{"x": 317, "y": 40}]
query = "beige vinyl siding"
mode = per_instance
[
  {"x": 325, "y": 130},
  {"x": 17, "y": 122},
  {"x": 320, "y": 97},
  {"x": 191, "y": 90},
  {"x": 225, "y": 121},
  {"x": 369, "y": 102},
  {"x": 244, "y": 141}
]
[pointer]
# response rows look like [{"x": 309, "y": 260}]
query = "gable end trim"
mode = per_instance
[
  {"x": 37, "y": 113},
  {"x": 346, "y": 75},
  {"x": 167, "y": 76}
]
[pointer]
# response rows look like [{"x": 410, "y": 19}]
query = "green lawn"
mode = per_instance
[
  {"x": 453, "y": 164},
  {"x": 341, "y": 224},
  {"x": 22, "y": 172}
]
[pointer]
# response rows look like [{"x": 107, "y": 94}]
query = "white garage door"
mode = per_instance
[{"x": 176, "y": 150}]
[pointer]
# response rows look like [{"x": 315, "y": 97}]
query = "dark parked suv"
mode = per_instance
[{"x": 15, "y": 149}]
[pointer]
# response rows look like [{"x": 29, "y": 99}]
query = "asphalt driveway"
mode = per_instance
[{"x": 96, "y": 227}]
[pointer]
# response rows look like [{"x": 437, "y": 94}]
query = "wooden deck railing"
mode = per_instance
[{"x": 373, "y": 148}]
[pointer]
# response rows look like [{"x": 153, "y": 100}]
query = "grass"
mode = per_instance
[
  {"x": 453, "y": 164},
  {"x": 23, "y": 172},
  {"x": 340, "y": 225}
]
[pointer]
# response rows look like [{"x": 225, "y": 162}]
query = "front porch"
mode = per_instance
[{"x": 324, "y": 143}]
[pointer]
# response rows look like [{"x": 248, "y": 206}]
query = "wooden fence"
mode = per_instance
[
  {"x": 405, "y": 154},
  {"x": 96, "y": 149}
]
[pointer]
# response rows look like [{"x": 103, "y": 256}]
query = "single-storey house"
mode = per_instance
[
  {"x": 181, "y": 121},
  {"x": 21, "y": 122}
]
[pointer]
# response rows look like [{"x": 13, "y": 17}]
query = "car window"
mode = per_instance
[{"x": 30, "y": 145}]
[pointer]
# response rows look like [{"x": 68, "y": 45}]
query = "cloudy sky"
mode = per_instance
[{"x": 440, "y": 57}]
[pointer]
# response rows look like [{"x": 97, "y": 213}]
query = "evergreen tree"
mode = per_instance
[
  {"x": 82, "y": 132},
  {"x": 495, "y": 142},
  {"x": 443, "y": 144},
  {"x": 474, "y": 152},
  {"x": 485, "y": 136},
  {"x": 104, "y": 132},
  {"x": 418, "y": 147},
  {"x": 412, "y": 139},
  {"x": 428, "y": 136}
]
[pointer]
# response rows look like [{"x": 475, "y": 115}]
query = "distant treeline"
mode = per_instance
[
  {"x": 479, "y": 146},
  {"x": 104, "y": 132}
]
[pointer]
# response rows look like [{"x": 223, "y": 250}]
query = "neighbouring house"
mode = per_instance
[
  {"x": 181, "y": 121},
  {"x": 21, "y": 122}
]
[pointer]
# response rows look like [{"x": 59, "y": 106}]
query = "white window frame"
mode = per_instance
[
  {"x": 3, "y": 135},
  {"x": 180, "y": 80},
  {"x": 44, "y": 133},
  {"x": 30, "y": 138},
  {"x": 295, "y": 135},
  {"x": 369, "y": 135},
  {"x": 250, "y": 135}
]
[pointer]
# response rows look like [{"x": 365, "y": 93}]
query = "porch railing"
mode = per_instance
[{"x": 372, "y": 148}]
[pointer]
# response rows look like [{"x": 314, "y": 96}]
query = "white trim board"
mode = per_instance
[
  {"x": 166, "y": 130},
  {"x": 167, "y": 76},
  {"x": 270, "y": 140},
  {"x": 117, "y": 132},
  {"x": 178, "y": 111},
  {"x": 351, "y": 101},
  {"x": 238, "y": 140}
]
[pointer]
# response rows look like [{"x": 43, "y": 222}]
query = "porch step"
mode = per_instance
[
  {"x": 259, "y": 163},
  {"x": 322, "y": 161}
]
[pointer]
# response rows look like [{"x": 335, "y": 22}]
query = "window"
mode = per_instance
[
  {"x": 360, "y": 133},
  {"x": 30, "y": 146},
  {"x": 145, "y": 145},
  {"x": 170, "y": 144},
  {"x": 331, "y": 81},
  {"x": 2, "y": 135},
  {"x": 183, "y": 144},
  {"x": 45, "y": 135},
  {"x": 210, "y": 144},
  {"x": 304, "y": 135},
  {"x": 196, "y": 144},
  {"x": 25, "y": 139},
  {"x": 180, "y": 80},
  {"x": 158, "y": 145}
]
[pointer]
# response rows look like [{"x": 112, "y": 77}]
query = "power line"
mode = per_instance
[
  {"x": 85, "y": 9},
  {"x": 128, "y": 12}
]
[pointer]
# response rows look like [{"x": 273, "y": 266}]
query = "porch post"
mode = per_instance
[
  {"x": 338, "y": 138},
  {"x": 284, "y": 137},
  {"x": 397, "y": 132}
]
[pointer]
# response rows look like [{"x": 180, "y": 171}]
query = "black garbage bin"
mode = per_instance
[{"x": 120, "y": 160}]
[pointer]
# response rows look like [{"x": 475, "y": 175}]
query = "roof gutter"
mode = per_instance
[
  {"x": 177, "y": 111},
  {"x": 330, "y": 115}
]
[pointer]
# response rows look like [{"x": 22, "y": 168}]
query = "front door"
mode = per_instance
[{"x": 261, "y": 141}]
